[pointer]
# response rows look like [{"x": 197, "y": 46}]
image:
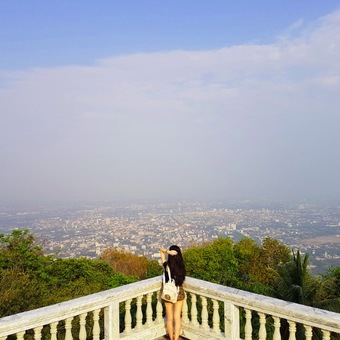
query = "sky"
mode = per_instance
[{"x": 169, "y": 100}]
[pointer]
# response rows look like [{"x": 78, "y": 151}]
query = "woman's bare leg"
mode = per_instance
[
  {"x": 177, "y": 318},
  {"x": 169, "y": 310}
]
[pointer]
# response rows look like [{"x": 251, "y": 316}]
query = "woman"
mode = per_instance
[{"x": 177, "y": 269}]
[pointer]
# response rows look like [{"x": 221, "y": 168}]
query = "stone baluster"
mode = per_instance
[
  {"x": 326, "y": 335},
  {"x": 204, "y": 314},
  {"x": 277, "y": 325},
  {"x": 216, "y": 317},
  {"x": 37, "y": 333},
  {"x": 248, "y": 329},
  {"x": 128, "y": 318},
  {"x": 159, "y": 309},
  {"x": 53, "y": 330},
  {"x": 262, "y": 330},
  {"x": 185, "y": 317},
  {"x": 111, "y": 321},
  {"x": 96, "y": 327},
  {"x": 139, "y": 313},
  {"x": 68, "y": 329},
  {"x": 148, "y": 309},
  {"x": 292, "y": 330},
  {"x": 194, "y": 321},
  {"x": 82, "y": 323},
  {"x": 308, "y": 332},
  {"x": 232, "y": 320},
  {"x": 20, "y": 336}
]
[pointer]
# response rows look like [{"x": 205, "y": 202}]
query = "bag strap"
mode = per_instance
[
  {"x": 169, "y": 273},
  {"x": 170, "y": 279}
]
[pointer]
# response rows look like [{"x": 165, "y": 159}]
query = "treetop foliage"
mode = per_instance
[
  {"x": 29, "y": 279},
  {"x": 130, "y": 264}
]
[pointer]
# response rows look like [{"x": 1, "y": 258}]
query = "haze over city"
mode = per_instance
[{"x": 169, "y": 100}]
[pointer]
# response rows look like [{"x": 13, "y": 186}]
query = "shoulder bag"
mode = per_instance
[{"x": 170, "y": 290}]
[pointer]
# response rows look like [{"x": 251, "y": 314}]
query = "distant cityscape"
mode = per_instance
[{"x": 87, "y": 230}]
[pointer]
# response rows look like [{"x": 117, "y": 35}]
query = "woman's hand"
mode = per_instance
[{"x": 166, "y": 251}]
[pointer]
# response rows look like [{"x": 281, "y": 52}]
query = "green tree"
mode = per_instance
[
  {"x": 21, "y": 262},
  {"x": 29, "y": 279},
  {"x": 328, "y": 293},
  {"x": 18, "y": 292},
  {"x": 214, "y": 261},
  {"x": 248, "y": 253},
  {"x": 153, "y": 268},
  {"x": 19, "y": 250},
  {"x": 296, "y": 284},
  {"x": 275, "y": 253},
  {"x": 72, "y": 278},
  {"x": 252, "y": 269},
  {"x": 274, "y": 256}
]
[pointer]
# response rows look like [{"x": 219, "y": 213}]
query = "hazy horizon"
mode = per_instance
[{"x": 169, "y": 101}]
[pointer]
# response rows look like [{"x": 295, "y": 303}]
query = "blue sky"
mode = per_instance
[
  {"x": 178, "y": 100},
  {"x": 40, "y": 33}
]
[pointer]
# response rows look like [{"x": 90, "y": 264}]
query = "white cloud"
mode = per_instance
[{"x": 236, "y": 120}]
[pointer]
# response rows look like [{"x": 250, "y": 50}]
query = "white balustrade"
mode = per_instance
[
  {"x": 308, "y": 332},
  {"x": 248, "y": 329},
  {"x": 37, "y": 333},
  {"x": 185, "y": 318},
  {"x": 139, "y": 314},
  {"x": 292, "y": 330},
  {"x": 148, "y": 310},
  {"x": 128, "y": 317},
  {"x": 216, "y": 318},
  {"x": 262, "y": 331},
  {"x": 53, "y": 330},
  {"x": 210, "y": 311},
  {"x": 68, "y": 328},
  {"x": 194, "y": 320},
  {"x": 326, "y": 335},
  {"x": 159, "y": 309},
  {"x": 96, "y": 327},
  {"x": 204, "y": 314},
  {"x": 82, "y": 323},
  {"x": 20, "y": 335},
  {"x": 277, "y": 325}
]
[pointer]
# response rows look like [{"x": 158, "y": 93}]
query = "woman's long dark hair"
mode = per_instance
[{"x": 177, "y": 267}]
